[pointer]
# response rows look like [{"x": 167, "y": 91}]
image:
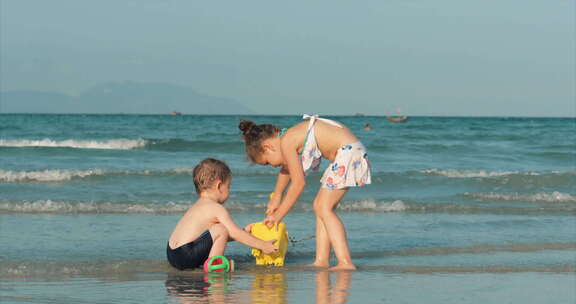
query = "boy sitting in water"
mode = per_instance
[{"x": 206, "y": 227}]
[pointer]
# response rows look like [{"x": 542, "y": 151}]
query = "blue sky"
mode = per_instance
[{"x": 447, "y": 57}]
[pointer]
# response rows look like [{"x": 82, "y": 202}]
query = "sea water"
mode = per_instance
[{"x": 460, "y": 210}]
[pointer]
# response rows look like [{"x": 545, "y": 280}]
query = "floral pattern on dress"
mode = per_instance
[{"x": 350, "y": 168}]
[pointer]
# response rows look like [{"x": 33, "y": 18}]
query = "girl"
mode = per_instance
[{"x": 297, "y": 151}]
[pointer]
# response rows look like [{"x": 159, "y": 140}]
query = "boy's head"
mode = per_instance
[{"x": 208, "y": 173}]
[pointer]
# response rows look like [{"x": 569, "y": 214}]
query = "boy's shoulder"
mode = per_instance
[{"x": 207, "y": 206}]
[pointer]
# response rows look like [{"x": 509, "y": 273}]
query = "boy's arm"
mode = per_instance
[{"x": 240, "y": 235}]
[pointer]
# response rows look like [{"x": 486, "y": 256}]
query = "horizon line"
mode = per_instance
[{"x": 260, "y": 114}]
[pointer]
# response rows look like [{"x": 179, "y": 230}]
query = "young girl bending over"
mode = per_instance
[{"x": 299, "y": 150}]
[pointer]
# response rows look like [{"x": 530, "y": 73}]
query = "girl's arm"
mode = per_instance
[
  {"x": 297, "y": 184},
  {"x": 281, "y": 183}
]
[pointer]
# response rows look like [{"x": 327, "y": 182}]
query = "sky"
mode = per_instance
[{"x": 420, "y": 57}]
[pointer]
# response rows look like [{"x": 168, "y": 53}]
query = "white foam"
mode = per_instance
[
  {"x": 58, "y": 175},
  {"x": 115, "y": 144},
  {"x": 553, "y": 197},
  {"x": 50, "y": 206},
  {"x": 46, "y": 175},
  {"x": 470, "y": 173},
  {"x": 370, "y": 205}
]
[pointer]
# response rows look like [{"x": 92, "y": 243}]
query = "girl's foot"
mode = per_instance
[
  {"x": 343, "y": 267},
  {"x": 318, "y": 265}
]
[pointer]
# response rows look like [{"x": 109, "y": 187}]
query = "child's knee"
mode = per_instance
[
  {"x": 218, "y": 231},
  {"x": 316, "y": 206},
  {"x": 322, "y": 210}
]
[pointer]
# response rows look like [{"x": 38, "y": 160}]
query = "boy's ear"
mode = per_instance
[{"x": 218, "y": 183}]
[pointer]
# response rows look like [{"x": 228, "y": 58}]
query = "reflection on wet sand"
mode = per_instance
[
  {"x": 266, "y": 287},
  {"x": 269, "y": 288},
  {"x": 338, "y": 293},
  {"x": 199, "y": 288}
]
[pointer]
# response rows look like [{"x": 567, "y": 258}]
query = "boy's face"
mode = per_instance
[{"x": 224, "y": 190}]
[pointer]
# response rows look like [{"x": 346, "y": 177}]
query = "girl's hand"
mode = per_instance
[
  {"x": 272, "y": 220},
  {"x": 272, "y": 206},
  {"x": 273, "y": 203}
]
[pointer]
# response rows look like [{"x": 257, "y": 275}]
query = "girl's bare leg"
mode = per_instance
[
  {"x": 324, "y": 206},
  {"x": 322, "y": 245},
  {"x": 219, "y": 239}
]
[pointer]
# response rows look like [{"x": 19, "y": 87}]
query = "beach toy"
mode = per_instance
[
  {"x": 261, "y": 231},
  {"x": 219, "y": 263}
]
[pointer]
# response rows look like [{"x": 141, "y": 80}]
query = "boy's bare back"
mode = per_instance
[{"x": 199, "y": 218}]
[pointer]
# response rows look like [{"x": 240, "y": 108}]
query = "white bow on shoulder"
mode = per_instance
[{"x": 315, "y": 116}]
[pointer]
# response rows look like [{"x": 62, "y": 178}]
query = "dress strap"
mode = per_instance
[
  {"x": 282, "y": 132},
  {"x": 314, "y": 117}
]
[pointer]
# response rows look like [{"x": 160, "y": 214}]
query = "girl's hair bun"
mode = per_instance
[
  {"x": 246, "y": 126},
  {"x": 253, "y": 135}
]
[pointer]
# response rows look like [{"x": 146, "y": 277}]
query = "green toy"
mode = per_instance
[{"x": 219, "y": 263}]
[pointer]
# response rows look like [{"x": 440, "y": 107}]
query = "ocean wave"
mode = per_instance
[
  {"x": 62, "y": 175},
  {"x": 177, "y": 144},
  {"x": 352, "y": 206},
  {"x": 553, "y": 197},
  {"x": 115, "y": 144},
  {"x": 64, "y": 207},
  {"x": 79, "y": 207},
  {"x": 47, "y": 175},
  {"x": 454, "y": 173},
  {"x": 459, "y": 208},
  {"x": 472, "y": 173},
  {"x": 369, "y": 205},
  {"x": 59, "y": 175}
]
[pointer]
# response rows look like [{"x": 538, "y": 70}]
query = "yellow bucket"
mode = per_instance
[{"x": 262, "y": 232}]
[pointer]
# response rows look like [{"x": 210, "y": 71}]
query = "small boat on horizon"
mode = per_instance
[
  {"x": 176, "y": 113},
  {"x": 396, "y": 119}
]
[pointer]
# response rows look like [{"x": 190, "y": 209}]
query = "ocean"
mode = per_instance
[{"x": 460, "y": 210}]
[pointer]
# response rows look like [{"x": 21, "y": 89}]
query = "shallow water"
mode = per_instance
[
  {"x": 461, "y": 210},
  {"x": 364, "y": 286}
]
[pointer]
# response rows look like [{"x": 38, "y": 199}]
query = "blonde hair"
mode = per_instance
[{"x": 208, "y": 171}]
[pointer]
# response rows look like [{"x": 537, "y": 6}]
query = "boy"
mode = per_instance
[{"x": 206, "y": 227}]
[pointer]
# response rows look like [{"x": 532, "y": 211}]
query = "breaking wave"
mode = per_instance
[
  {"x": 60, "y": 175},
  {"x": 47, "y": 175},
  {"x": 471, "y": 173},
  {"x": 352, "y": 206},
  {"x": 74, "y": 207},
  {"x": 116, "y": 144},
  {"x": 553, "y": 197}
]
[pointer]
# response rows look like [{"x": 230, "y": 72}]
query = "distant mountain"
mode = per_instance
[
  {"x": 34, "y": 102},
  {"x": 121, "y": 97}
]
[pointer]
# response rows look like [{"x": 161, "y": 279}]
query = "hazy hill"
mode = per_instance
[{"x": 121, "y": 97}]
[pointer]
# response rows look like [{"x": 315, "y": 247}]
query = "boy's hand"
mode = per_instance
[{"x": 269, "y": 247}]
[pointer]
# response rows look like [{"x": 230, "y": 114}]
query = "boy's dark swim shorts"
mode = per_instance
[{"x": 190, "y": 255}]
